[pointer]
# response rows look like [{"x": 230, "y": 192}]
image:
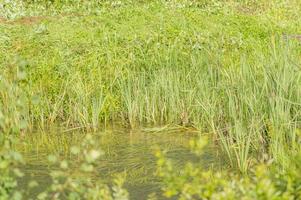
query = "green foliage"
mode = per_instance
[
  {"x": 65, "y": 185},
  {"x": 229, "y": 68},
  {"x": 193, "y": 182},
  {"x": 223, "y": 67},
  {"x": 12, "y": 122},
  {"x": 13, "y": 100},
  {"x": 9, "y": 162},
  {"x": 70, "y": 184}
]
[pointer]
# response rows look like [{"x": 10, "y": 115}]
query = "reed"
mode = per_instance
[{"x": 214, "y": 66}]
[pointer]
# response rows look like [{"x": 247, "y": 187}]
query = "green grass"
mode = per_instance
[{"x": 223, "y": 66}]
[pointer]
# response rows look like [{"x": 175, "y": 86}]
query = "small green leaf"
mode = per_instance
[
  {"x": 52, "y": 158},
  {"x": 75, "y": 150},
  {"x": 33, "y": 184},
  {"x": 64, "y": 164},
  {"x": 42, "y": 195}
]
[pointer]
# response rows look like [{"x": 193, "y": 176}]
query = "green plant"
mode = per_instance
[
  {"x": 10, "y": 162},
  {"x": 192, "y": 182},
  {"x": 79, "y": 184},
  {"x": 222, "y": 67},
  {"x": 14, "y": 109}
]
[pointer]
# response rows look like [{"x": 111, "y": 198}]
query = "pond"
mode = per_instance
[{"x": 126, "y": 150}]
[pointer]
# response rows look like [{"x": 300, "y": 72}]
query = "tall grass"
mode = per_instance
[
  {"x": 217, "y": 66},
  {"x": 253, "y": 107}
]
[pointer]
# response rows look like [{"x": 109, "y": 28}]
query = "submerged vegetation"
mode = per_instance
[{"x": 228, "y": 69}]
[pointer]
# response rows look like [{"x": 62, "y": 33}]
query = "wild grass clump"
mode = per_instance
[
  {"x": 14, "y": 121},
  {"x": 252, "y": 106},
  {"x": 227, "y": 68}
]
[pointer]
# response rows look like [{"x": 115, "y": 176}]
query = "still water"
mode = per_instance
[{"x": 130, "y": 151}]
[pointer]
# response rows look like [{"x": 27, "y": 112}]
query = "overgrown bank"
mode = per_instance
[{"x": 226, "y": 68}]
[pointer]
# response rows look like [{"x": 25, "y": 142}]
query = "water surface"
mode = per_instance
[{"x": 125, "y": 151}]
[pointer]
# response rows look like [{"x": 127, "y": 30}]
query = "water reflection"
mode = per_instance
[{"x": 126, "y": 151}]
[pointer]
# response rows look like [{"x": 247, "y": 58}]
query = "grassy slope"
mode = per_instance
[{"x": 223, "y": 66}]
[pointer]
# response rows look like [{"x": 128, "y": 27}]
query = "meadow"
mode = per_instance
[{"x": 228, "y": 70}]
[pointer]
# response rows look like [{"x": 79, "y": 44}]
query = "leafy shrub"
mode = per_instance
[{"x": 263, "y": 182}]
